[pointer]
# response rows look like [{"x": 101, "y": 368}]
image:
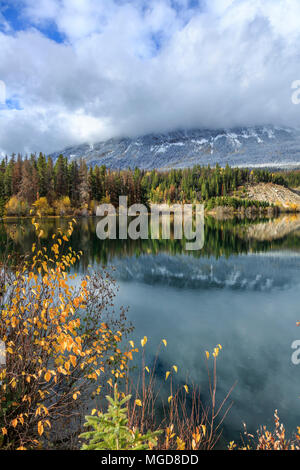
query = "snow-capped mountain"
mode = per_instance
[{"x": 267, "y": 146}]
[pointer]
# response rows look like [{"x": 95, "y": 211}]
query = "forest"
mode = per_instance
[{"x": 72, "y": 188}]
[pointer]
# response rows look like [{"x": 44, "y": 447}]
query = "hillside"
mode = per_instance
[{"x": 274, "y": 194}]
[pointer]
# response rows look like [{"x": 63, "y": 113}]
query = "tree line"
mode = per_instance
[{"x": 63, "y": 186}]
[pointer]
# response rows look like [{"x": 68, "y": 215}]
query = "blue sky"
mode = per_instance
[
  {"x": 13, "y": 15},
  {"x": 13, "y": 12},
  {"x": 86, "y": 70}
]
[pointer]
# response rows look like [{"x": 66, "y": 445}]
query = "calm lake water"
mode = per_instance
[{"x": 242, "y": 291}]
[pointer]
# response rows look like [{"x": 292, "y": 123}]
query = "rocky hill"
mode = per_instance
[{"x": 274, "y": 194}]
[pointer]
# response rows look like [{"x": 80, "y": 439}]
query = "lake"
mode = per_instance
[{"x": 241, "y": 290}]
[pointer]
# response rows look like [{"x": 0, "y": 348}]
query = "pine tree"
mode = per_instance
[
  {"x": 61, "y": 177},
  {"x": 42, "y": 175}
]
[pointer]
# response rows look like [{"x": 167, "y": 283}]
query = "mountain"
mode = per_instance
[{"x": 267, "y": 146}]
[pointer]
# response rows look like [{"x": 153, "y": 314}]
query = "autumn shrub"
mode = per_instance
[
  {"x": 58, "y": 348},
  {"x": 93, "y": 206},
  {"x": 42, "y": 206},
  {"x": 16, "y": 207},
  {"x": 63, "y": 206},
  {"x": 265, "y": 439}
]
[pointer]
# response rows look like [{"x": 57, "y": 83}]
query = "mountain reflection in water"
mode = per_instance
[{"x": 241, "y": 290}]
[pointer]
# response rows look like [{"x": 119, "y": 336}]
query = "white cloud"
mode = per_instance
[{"x": 131, "y": 67}]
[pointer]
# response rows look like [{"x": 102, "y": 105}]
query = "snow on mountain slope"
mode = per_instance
[{"x": 267, "y": 146}]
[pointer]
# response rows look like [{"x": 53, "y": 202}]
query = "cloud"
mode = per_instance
[{"x": 133, "y": 67}]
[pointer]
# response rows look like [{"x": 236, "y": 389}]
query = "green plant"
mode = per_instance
[{"x": 111, "y": 431}]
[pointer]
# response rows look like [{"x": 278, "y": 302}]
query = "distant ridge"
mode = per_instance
[{"x": 261, "y": 146}]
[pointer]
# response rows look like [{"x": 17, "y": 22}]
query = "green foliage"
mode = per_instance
[
  {"x": 235, "y": 203},
  {"x": 111, "y": 431},
  {"x": 36, "y": 177}
]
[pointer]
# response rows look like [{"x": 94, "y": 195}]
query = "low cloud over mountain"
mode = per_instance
[{"x": 85, "y": 71}]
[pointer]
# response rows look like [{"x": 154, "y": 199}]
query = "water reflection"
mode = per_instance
[
  {"x": 222, "y": 238},
  {"x": 241, "y": 290}
]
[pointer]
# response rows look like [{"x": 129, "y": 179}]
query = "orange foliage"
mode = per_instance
[{"x": 54, "y": 355}]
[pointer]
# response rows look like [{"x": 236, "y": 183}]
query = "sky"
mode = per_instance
[{"x": 87, "y": 70}]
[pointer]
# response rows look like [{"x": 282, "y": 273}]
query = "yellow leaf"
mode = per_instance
[
  {"x": 147, "y": 369},
  {"x": 138, "y": 402},
  {"x": 167, "y": 374},
  {"x": 94, "y": 411},
  {"x": 47, "y": 376},
  {"x": 180, "y": 444},
  {"x": 165, "y": 342},
  {"x": 207, "y": 354},
  {"x": 175, "y": 368},
  {"x": 110, "y": 382},
  {"x": 40, "y": 428},
  {"x": 186, "y": 388},
  {"x": 170, "y": 398},
  {"x": 131, "y": 344},
  {"x": 73, "y": 360},
  {"x": 144, "y": 341}
]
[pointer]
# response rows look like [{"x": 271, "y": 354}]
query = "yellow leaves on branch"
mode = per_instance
[
  {"x": 41, "y": 326},
  {"x": 215, "y": 352},
  {"x": 175, "y": 368},
  {"x": 198, "y": 436},
  {"x": 76, "y": 395},
  {"x": 41, "y": 426},
  {"x": 180, "y": 444}
]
